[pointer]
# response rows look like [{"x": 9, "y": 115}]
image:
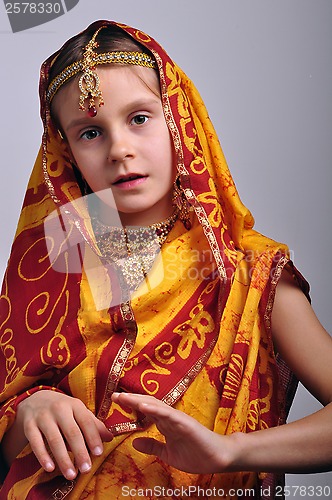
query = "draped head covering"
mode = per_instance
[{"x": 197, "y": 335}]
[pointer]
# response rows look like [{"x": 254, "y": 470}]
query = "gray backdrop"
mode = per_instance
[{"x": 264, "y": 70}]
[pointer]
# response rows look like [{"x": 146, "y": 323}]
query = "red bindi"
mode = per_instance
[{"x": 92, "y": 111}]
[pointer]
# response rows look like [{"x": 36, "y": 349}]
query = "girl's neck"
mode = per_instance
[{"x": 143, "y": 219}]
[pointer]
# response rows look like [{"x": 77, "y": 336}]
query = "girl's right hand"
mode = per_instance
[{"x": 54, "y": 423}]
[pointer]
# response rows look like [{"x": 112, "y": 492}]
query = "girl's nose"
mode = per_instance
[{"x": 120, "y": 147}]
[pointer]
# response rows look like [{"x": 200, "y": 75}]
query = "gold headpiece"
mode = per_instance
[{"x": 89, "y": 81}]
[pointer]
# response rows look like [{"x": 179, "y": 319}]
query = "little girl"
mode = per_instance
[{"x": 139, "y": 302}]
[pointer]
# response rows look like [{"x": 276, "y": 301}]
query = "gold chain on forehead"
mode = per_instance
[{"x": 89, "y": 82}]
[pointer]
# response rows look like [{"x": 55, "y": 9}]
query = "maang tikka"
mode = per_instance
[
  {"x": 89, "y": 82},
  {"x": 181, "y": 203}
]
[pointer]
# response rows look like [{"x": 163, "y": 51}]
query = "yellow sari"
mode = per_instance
[{"x": 196, "y": 334}]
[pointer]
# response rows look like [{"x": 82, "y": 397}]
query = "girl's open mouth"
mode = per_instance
[{"x": 129, "y": 181}]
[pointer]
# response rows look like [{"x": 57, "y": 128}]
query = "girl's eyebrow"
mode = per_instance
[
  {"x": 133, "y": 105},
  {"x": 79, "y": 122},
  {"x": 141, "y": 103}
]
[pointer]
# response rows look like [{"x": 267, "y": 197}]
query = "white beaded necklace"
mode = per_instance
[{"x": 132, "y": 248}]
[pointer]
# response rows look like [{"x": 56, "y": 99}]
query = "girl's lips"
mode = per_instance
[{"x": 129, "y": 183}]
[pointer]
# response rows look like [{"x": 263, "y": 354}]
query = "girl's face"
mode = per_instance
[{"x": 126, "y": 147}]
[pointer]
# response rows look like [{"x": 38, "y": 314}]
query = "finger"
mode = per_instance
[
  {"x": 38, "y": 447},
  {"x": 143, "y": 403},
  {"x": 157, "y": 411},
  {"x": 93, "y": 431},
  {"x": 75, "y": 439},
  {"x": 105, "y": 433},
  {"x": 59, "y": 450},
  {"x": 149, "y": 446},
  {"x": 167, "y": 419}
]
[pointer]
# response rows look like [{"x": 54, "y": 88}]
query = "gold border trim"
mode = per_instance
[
  {"x": 115, "y": 373},
  {"x": 174, "y": 394},
  {"x": 129, "y": 426},
  {"x": 274, "y": 282},
  {"x": 189, "y": 193},
  {"x": 63, "y": 491}
]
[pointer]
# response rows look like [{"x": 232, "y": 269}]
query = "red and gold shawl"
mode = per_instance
[{"x": 199, "y": 338}]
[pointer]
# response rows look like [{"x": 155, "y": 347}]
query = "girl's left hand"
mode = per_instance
[{"x": 188, "y": 446}]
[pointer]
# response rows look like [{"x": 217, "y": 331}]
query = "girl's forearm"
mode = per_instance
[{"x": 303, "y": 446}]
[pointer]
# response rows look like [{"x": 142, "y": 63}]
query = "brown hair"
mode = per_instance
[{"x": 110, "y": 38}]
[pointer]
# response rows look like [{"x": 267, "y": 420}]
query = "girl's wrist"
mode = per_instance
[
  {"x": 230, "y": 454},
  {"x": 237, "y": 454}
]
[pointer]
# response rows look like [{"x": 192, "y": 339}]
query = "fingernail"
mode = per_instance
[
  {"x": 70, "y": 474},
  {"x": 85, "y": 467},
  {"x": 97, "y": 451},
  {"x": 49, "y": 467}
]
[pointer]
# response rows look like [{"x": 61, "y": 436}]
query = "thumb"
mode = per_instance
[
  {"x": 149, "y": 446},
  {"x": 105, "y": 434}
]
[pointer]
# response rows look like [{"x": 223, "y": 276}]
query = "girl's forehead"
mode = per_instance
[
  {"x": 123, "y": 83},
  {"x": 130, "y": 76}
]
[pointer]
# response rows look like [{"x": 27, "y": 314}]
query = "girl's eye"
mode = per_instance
[
  {"x": 139, "y": 119},
  {"x": 90, "y": 134}
]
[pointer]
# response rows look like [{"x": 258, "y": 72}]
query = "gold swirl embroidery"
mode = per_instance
[
  {"x": 124, "y": 26},
  {"x": 254, "y": 419},
  {"x": 142, "y": 37},
  {"x": 174, "y": 88},
  {"x": 198, "y": 165},
  {"x": 56, "y": 353},
  {"x": 208, "y": 289},
  {"x": 48, "y": 246},
  {"x": 158, "y": 370},
  {"x": 267, "y": 400},
  {"x": 163, "y": 353},
  {"x": 194, "y": 330},
  {"x": 188, "y": 140},
  {"x": 183, "y": 107},
  {"x": 55, "y": 168},
  {"x": 57, "y": 350},
  {"x": 42, "y": 309},
  {"x": 217, "y": 219},
  {"x": 4, "y": 297},
  {"x": 131, "y": 363},
  {"x": 28, "y": 218},
  {"x": 253, "y": 415},
  {"x": 216, "y": 216},
  {"x": 10, "y": 356},
  {"x": 234, "y": 377},
  {"x": 40, "y": 260},
  {"x": 56, "y": 152}
]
